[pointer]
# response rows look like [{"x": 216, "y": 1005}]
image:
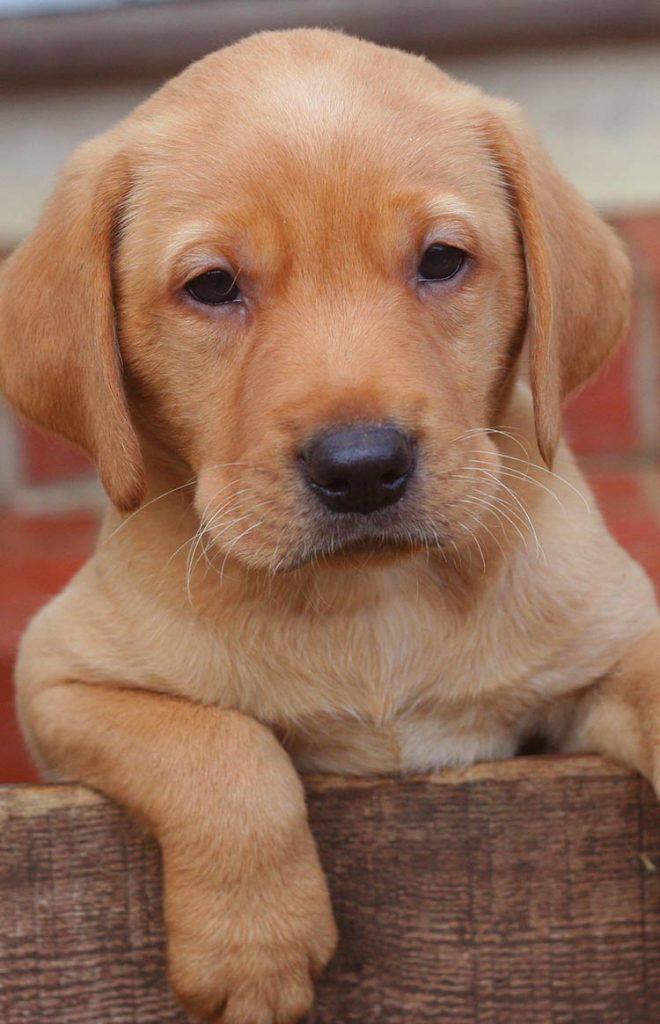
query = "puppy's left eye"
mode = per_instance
[
  {"x": 441, "y": 262},
  {"x": 214, "y": 288}
]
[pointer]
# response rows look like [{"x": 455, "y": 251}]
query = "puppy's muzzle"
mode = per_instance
[{"x": 360, "y": 468}]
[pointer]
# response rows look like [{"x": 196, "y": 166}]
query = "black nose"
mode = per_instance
[{"x": 359, "y": 469}]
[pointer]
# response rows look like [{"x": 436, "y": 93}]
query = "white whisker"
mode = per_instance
[
  {"x": 550, "y": 472},
  {"x": 525, "y": 513},
  {"x": 146, "y": 505},
  {"x": 484, "y": 526},
  {"x": 474, "y": 431},
  {"x": 521, "y": 475},
  {"x": 481, "y": 499},
  {"x": 235, "y": 541}
]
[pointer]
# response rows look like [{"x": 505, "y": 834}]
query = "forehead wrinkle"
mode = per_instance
[
  {"x": 448, "y": 219},
  {"x": 196, "y": 235},
  {"x": 192, "y": 249},
  {"x": 450, "y": 207},
  {"x": 246, "y": 243},
  {"x": 302, "y": 197}
]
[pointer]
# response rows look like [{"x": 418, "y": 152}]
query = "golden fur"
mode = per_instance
[{"x": 227, "y": 627}]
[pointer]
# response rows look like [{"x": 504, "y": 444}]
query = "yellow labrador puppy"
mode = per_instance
[{"x": 313, "y": 310}]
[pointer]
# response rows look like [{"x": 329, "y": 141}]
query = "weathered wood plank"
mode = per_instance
[{"x": 514, "y": 893}]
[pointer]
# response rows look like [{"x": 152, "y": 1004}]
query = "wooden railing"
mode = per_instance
[{"x": 522, "y": 892}]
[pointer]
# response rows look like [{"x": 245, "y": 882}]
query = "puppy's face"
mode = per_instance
[
  {"x": 320, "y": 287},
  {"x": 319, "y": 259}
]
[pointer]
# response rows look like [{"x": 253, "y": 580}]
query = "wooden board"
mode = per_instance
[{"x": 522, "y": 892}]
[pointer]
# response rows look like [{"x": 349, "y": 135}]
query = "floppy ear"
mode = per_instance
[
  {"x": 59, "y": 360},
  {"x": 578, "y": 276}
]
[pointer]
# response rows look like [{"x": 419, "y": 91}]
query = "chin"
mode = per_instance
[{"x": 360, "y": 552}]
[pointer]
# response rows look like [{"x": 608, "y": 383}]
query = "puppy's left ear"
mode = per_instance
[{"x": 579, "y": 278}]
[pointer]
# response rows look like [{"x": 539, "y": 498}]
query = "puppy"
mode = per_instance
[{"x": 313, "y": 309}]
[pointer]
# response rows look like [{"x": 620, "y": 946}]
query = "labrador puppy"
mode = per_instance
[{"x": 313, "y": 310}]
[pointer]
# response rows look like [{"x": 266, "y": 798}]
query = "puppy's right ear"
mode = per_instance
[{"x": 60, "y": 363}]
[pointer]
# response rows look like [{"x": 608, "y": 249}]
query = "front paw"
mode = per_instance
[{"x": 246, "y": 950}]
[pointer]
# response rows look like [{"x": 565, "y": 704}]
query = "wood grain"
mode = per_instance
[{"x": 521, "y": 892}]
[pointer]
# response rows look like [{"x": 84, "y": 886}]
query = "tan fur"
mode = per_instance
[{"x": 228, "y": 611}]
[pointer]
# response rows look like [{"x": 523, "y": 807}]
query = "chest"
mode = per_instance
[
  {"x": 394, "y": 675},
  {"x": 404, "y": 683}
]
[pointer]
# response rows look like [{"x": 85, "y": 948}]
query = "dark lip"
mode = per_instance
[{"x": 392, "y": 545}]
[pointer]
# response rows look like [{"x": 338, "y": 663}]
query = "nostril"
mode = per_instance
[
  {"x": 393, "y": 479},
  {"x": 336, "y": 486}
]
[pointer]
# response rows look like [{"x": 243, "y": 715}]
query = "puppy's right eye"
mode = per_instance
[{"x": 214, "y": 288}]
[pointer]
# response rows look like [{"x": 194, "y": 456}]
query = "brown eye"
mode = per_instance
[
  {"x": 214, "y": 288},
  {"x": 441, "y": 262}
]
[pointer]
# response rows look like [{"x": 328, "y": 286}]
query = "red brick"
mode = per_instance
[
  {"x": 39, "y": 537},
  {"x": 642, "y": 234},
  {"x": 601, "y": 419},
  {"x": 614, "y": 491},
  {"x": 631, "y": 516},
  {"x": 37, "y": 558},
  {"x": 15, "y": 762},
  {"x": 49, "y": 460}
]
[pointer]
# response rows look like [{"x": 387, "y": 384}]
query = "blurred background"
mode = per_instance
[{"x": 588, "y": 74}]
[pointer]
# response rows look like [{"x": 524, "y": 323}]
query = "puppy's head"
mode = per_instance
[{"x": 307, "y": 268}]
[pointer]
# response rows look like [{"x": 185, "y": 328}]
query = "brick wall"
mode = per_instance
[
  {"x": 39, "y": 473},
  {"x": 618, "y": 413}
]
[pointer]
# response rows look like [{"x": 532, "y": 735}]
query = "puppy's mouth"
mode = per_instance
[{"x": 355, "y": 545}]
